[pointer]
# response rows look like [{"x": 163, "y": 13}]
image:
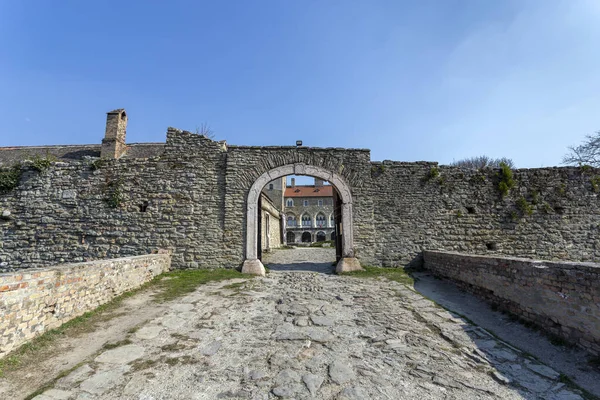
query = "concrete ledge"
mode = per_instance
[
  {"x": 33, "y": 301},
  {"x": 563, "y": 298}
]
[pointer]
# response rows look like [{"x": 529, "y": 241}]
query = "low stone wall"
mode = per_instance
[
  {"x": 33, "y": 301},
  {"x": 562, "y": 298}
]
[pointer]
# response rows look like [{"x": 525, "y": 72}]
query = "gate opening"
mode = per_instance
[{"x": 318, "y": 215}]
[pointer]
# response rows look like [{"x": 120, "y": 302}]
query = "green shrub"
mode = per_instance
[
  {"x": 507, "y": 181},
  {"x": 595, "y": 181},
  {"x": 514, "y": 216},
  {"x": 320, "y": 244},
  {"x": 116, "y": 197},
  {"x": 97, "y": 164},
  {"x": 524, "y": 206},
  {"x": 433, "y": 173},
  {"x": 41, "y": 164},
  {"x": 478, "y": 178},
  {"x": 377, "y": 170},
  {"x": 535, "y": 197},
  {"x": 9, "y": 178}
]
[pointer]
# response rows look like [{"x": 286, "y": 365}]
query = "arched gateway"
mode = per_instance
[{"x": 252, "y": 265}]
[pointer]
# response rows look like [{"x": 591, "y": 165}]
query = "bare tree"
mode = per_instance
[
  {"x": 205, "y": 130},
  {"x": 587, "y": 153},
  {"x": 483, "y": 162}
]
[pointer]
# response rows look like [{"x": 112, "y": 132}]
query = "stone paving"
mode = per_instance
[{"x": 310, "y": 335}]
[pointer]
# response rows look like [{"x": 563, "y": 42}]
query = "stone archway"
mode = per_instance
[{"x": 252, "y": 264}]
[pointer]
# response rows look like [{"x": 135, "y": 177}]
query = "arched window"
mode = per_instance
[
  {"x": 306, "y": 237},
  {"x": 290, "y": 237},
  {"x": 291, "y": 220},
  {"x": 289, "y": 203},
  {"x": 306, "y": 222},
  {"x": 331, "y": 220},
  {"x": 321, "y": 221},
  {"x": 321, "y": 236}
]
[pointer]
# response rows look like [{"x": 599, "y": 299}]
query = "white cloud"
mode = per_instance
[{"x": 527, "y": 87}]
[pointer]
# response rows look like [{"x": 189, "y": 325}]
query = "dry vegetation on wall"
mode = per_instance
[
  {"x": 480, "y": 162},
  {"x": 9, "y": 178}
]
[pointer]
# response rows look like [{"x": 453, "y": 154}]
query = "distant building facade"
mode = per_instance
[
  {"x": 275, "y": 191},
  {"x": 308, "y": 212}
]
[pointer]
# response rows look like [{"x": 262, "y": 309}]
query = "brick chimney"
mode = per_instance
[
  {"x": 113, "y": 144},
  {"x": 293, "y": 182},
  {"x": 318, "y": 182}
]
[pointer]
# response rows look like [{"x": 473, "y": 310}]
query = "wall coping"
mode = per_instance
[
  {"x": 536, "y": 263},
  {"x": 83, "y": 264},
  {"x": 302, "y": 148}
]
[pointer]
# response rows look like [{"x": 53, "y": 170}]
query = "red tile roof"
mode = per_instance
[{"x": 309, "y": 191}]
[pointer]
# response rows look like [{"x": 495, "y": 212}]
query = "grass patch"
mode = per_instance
[
  {"x": 393, "y": 274},
  {"x": 180, "y": 283},
  {"x": 140, "y": 365},
  {"x": 234, "y": 286},
  {"x": 173, "y": 347},
  {"x": 325, "y": 243},
  {"x": 109, "y": 346},
  {"x": 50, "y": 384}
]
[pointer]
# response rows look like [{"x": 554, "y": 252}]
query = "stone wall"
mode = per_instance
[
  {"x": 13, "y": 155},
  {"x": 271, "y": 230},
  {"x": 80, "y": 211},
  {"x": 562, "y": 298},
  {"x": 551, "y": 213},
  {"x": 245, "y": 164},
  {"x": 190, "y": 197},
  {"x": 33, "y": 301}
]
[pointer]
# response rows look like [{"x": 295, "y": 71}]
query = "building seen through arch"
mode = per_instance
[{"x": 308, "y": 209}]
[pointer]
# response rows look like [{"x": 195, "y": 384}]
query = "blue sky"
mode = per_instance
[{"x": 432, "y": 80}]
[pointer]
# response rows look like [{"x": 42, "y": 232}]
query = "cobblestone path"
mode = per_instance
[{"x": 307, "y": 335}]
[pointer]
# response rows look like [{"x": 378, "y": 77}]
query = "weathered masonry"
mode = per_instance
[
  {"x": 198, "y": 198},
  {"x": 562, "y": 298},
  {"x": 35, "y": 300}
]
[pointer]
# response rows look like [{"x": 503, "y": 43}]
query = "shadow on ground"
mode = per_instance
[
  {"x": 324, "y": 268},
  {"x": 303, "y": 259},
  {"x": 567, "y": 364}
]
